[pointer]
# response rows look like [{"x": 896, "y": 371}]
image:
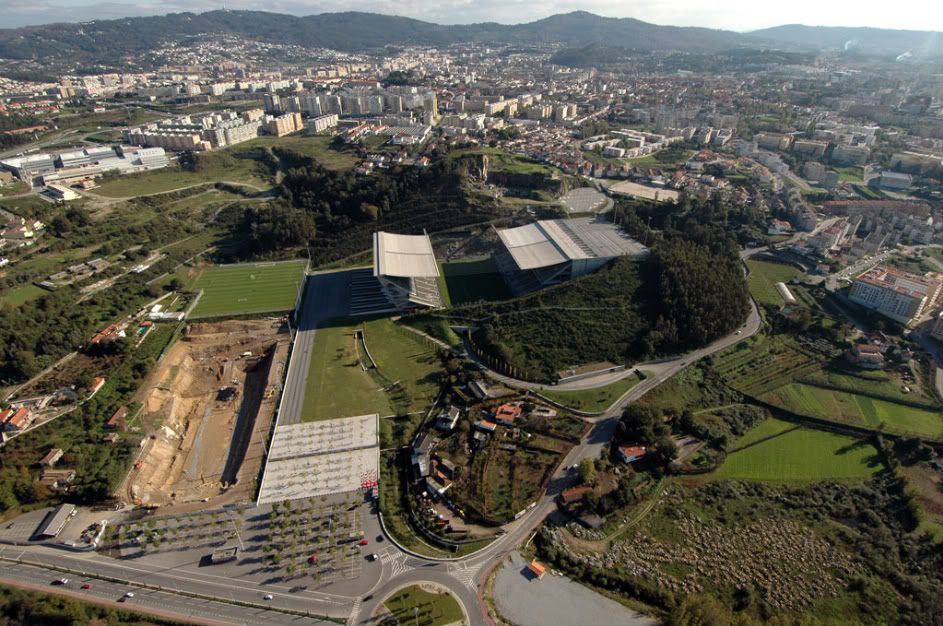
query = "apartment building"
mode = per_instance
[
  {"x": 898, "y": 295},
  {"x": 812, "y": 148},
  {"x": 852, "y": 155},
  {"x": 773, "y": 141},
  {"x": 322, "y": 123},
  {"x": 284, "y": 124}
]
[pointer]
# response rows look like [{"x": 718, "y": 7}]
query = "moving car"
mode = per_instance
[
  {"x": 372, "y": 556},
  {"x": 267, "y": 596},
  {"x": 130, "y": 594},
  {"x": 364, "y": 542},
  {"x": 87, "y": 586},
  {"x": 60, "y": 581}
]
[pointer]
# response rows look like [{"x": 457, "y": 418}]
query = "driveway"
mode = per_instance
[{"x": 555, "y": 600}]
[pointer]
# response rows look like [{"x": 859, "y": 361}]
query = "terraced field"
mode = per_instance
[{"x": 765, "y": 366}]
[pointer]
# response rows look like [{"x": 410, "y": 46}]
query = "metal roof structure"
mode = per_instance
[
  {"x": 55, "y": 521},
  {"x": 404, "y": 256},
  {"x": 551, "y": 242}
]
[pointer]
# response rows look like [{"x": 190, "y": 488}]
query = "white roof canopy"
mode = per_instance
[
  {"x": 549, "y": 242},
  {"x": 406, "y": 256}
]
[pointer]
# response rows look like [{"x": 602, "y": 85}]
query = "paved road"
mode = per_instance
[{"x": 150, "y": 600}]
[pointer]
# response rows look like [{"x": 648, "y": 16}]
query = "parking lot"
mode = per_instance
[{"x": 583, "y": 200}]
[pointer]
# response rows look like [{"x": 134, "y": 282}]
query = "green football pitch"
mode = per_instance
[{"x": 248, "y": 288}]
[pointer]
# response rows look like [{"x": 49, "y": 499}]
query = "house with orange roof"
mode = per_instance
[
  {"x": 506, "y": 414},
  {"x": 537, "y": 569},
  {"x": 19, "y": 420},
  {"x": 630, "y": 454},
  {"x": 96, "y": 385}
]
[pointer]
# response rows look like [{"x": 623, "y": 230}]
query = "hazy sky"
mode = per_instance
[{"x": 739, "y": 15}]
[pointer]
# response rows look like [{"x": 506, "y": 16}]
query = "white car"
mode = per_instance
[
  {"x": 130, "y": 594},
  {"x": 267, "y": 596},
  {"x": 737, "y": 333}
]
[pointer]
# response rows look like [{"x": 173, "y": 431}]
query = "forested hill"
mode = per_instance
[
  {"x": 919, "y": 43},
  {"x": 108, "y": 41},
  {"x": 689, "y": 292}
]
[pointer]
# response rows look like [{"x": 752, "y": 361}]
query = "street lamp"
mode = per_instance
[{"x": 416, "y": 614}]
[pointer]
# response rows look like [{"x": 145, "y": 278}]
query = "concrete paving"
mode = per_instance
[{"x": 555, "y": 600}]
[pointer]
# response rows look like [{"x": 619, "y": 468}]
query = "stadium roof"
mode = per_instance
[
  {"x": 550, "y": 242},
  {"x": 406, "y": 256}
]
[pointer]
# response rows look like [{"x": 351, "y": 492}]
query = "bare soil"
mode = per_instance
[{"x": 192, "y": 453}]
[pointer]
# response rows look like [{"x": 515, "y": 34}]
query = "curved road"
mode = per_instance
[{"x": 464, "y": 577}]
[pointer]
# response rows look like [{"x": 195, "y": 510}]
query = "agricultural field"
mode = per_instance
[
  {"x": 856, "y": 409},
  {"x": 885, "y": 383},
  {"x": 434, "y": 609},
  {"x": 779, "y": 451},
  {"x": 248, "y": 288},
  {"x": 597, "y": 399},
  {"x": 763, "y": 364},
  {"x": 763, "y": 277},
  {"x": 463, "y": 282},
  {"x": 335, "y": 366}
]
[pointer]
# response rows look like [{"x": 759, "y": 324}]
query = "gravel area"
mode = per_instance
[{"x": 555, "y": 600}]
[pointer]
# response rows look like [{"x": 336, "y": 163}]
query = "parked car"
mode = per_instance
[
  {"x": 87, "y": 586},
  {"x": 267, "y": 596},
  {"x": 372, "y": 556},
  {"x": 60, "y": 581},
  {"x": 130, "y": 594}
]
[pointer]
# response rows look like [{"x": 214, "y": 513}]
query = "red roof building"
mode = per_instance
[
  {"x": 506, "y": 414},
  {"x": 119, "y": 415},
  {"x": 537, "y": 569},
  {"x": 99, "y": 382},
  {"x": 631, "y": 453}
]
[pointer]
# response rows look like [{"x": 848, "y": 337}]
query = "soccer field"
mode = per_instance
[
  {"x": 248, "y": 288},
  {"x": 462, "y": 282}
]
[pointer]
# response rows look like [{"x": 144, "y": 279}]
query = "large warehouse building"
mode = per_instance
[
  {"x": 549, "y": 252},
  {"x": 407, "y": 270}
]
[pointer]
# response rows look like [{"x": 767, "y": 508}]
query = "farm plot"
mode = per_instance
[
  {"x": 765, "y": 366},
  {"x": 856, "y": 409},
  {"x": 248, "y": 288},
  {"x": 763, "y": 277},
  {"x": 777, "y": 451}
]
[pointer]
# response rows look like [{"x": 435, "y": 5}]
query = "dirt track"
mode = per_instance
[{"x": 201, "y": 393}]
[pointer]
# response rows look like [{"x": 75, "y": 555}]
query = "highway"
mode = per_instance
[
  {"x": 148, "y": 600},
  {"x": 326, "y": 297}
]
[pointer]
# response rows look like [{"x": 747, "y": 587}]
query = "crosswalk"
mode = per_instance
[
  {"x": 466, "y": 575},
  {"x": 396, "y": 561},
  {"x": 355, "y": 611}
]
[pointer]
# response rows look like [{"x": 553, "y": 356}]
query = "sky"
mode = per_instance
[{"x": 738, "y": 15}]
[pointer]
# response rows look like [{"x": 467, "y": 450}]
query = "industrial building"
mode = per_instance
[
  {"x": 407, "y": 270},
  {"x": 549, "y": 252}
]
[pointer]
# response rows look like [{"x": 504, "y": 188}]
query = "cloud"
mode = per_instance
[{"x": 732, "y": 15}]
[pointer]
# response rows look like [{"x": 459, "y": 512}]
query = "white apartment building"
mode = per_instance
[
  {"x": 322, "y": 123},
  {"x": 895, "y": 294}
]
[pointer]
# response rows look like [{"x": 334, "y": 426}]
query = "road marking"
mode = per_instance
[
  {"x": 465, "y": 574},
  {"x": 396, "y": 561},
  {"x": 354, "y": 611}
]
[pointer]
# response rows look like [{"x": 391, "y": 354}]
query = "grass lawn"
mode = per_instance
[
  {"x": 248, "y": 288},
  {"x": 764, "y": 276},
  {"x": 406, "y": 358},
  {"x": 337, "y": 386},
  {"x": 435, "y": 327},
  {"x": 650, "y": 160},
  {"x": 598, "y": 399},
  {"x": 501, "y": 161},
  {"x": 16, "y": 296},
  {"x": 800, "y": 455},
  {"x": 462, "y": 282},
  {"x": 434, "y": 609},
  {"x": 14, "y": 188},
  {"x": 850, "y": 174},
  {"x": 317, "y": 147},
  {"x": 857, "y": 409},
  {"x": 868, "y": 193}
]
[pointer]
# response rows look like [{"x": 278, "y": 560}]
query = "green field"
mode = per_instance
[
  {"x": 434, "y": 609},
  {"x": 763, "y": 277},
  {"x": 598, "y": 399},
  {"x": 317, "y": 147},
  {"x": 650, "y": 160},
  {"x": 406, "y": 358},
  {"x": 799, "y": 455},
  {"x": 435, "y": 327},
  {"x": 16, "y": 296},
  {"x": 850, "y": 174},
  {"x": 248, "y": 288},
  {"x": 856, "y": 409},
  {"x": 462, "y": 282},
  {"x": 337, "y": 386}
]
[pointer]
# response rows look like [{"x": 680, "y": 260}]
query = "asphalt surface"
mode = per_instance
[{"x": 149, "y": 600}]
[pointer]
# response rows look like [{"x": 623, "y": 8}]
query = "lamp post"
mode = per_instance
[{"x": 416, "y": 614}]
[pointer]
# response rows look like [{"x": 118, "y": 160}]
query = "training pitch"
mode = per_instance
[{"x": 248, "y": 288}]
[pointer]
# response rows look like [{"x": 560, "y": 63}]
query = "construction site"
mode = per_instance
[{"x": 206, "y": 409}]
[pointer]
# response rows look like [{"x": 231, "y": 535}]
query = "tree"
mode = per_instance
[
  {"x": 587, "y": 472},
  {"x": 700, "y": 609}
]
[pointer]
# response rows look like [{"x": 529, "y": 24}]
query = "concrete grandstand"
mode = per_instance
[
  {"x": 549, "y": 252},
  {"x": 407, "y": 270}
]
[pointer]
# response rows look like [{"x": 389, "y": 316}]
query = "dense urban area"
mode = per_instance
[{"x": 403, "y": 324}]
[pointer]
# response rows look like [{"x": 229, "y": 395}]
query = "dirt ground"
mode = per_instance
[{"x": 201, "y": 393}]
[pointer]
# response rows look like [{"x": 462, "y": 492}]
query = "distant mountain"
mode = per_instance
[
  {"x": 107, "y": 41},
  {"x": 867, "y": 40}
]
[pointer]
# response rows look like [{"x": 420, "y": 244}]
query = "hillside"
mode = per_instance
[
  {"x": 108, "y": 41},
  {"x": 865, "y": 40}
]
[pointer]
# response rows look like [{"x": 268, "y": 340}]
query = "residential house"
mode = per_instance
[
  {"x": 779, "y": 227},
  {"x": 866, "y": 356},
  {"x": 115, "y": 420},
  {"x": 447, "y": 419},
  {"x": 485, "y": 426},
  {"x": 51, "y": 458},
  {"x": 97, "y": 384},
  {"x": 576, "y": 494},
  {"x": 506, "y": 414},
  {"x": 629, "y": 454},
  {"x": 19, "y": 420}
]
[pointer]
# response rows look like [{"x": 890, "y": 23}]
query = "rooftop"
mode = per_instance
[
  {"x": 406, "y": 256},
  {"x": 550, "y": 242}
]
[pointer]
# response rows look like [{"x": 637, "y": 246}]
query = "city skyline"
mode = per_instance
[{"x": 738, "y": 15}]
